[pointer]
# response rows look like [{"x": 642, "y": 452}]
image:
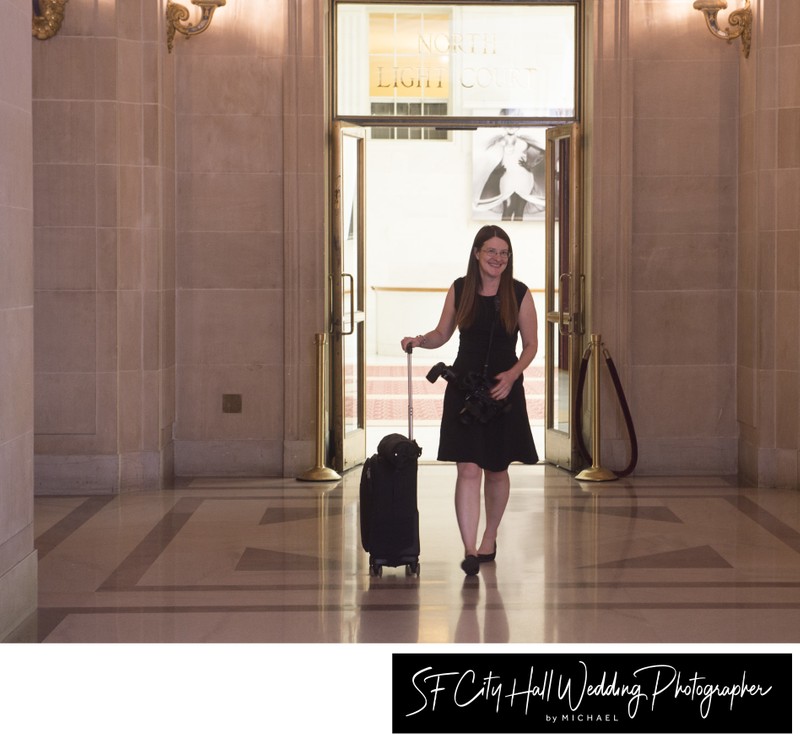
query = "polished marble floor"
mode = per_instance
[{"x": 633, "y": 561}]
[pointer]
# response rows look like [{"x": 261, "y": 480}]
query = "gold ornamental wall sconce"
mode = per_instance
[
  {"x": 177, "y": 15},
  {"x": 741, "y": 22},
  {"x": 47, "y": 17}
]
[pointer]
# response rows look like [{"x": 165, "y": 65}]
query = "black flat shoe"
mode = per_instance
[
  {"x": 471, "y": 565},
  {"x": 486, "y": 557}
]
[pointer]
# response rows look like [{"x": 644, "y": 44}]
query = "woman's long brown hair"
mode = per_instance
[{"x": 468, "y": 305}]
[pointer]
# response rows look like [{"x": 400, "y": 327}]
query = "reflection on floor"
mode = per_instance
[{"x": 280, "y": 561}]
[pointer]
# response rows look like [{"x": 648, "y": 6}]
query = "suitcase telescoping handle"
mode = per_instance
[{"x": 409, "y": 350}]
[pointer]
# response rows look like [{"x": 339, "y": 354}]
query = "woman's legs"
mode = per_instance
[
  {"x": 468, "y": 504},
  {"x": 496, "y": 490}
]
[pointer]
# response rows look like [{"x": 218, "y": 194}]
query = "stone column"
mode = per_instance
[
  {"x": 768, "y": 357},
  {"x": 18, "y": 561},
  {"x": 104, "y": 250}
]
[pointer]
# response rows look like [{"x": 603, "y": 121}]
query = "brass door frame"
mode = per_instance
[
  {"x": 348, "y": 298},
  {"x": 569, "y": 455},
  {"x": 565, "y": 286}
]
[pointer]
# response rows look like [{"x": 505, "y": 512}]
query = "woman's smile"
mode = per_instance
[{"x": 493, "y": 256}]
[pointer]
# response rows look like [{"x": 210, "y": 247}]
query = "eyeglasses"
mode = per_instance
[{"x": 492, "y": 252}]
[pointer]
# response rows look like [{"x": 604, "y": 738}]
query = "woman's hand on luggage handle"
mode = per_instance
[{"x": 418, "y": 341}]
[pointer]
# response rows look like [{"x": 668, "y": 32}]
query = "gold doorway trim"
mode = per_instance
[{"x": 47, "y": 22}]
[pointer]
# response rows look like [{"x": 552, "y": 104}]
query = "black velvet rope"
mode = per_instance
[{"x": 623, "y": 402}]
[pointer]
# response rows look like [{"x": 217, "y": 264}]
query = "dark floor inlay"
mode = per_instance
[
  {"x": 783, "y": 531},
  {"x": 76, "y": 519},
  {"x": 277, "y": 515},
  {"x": 141, "y": 558},
  {"x": 260, "y": 559},
  {"x": 659, "y": 514},
  {"x": 700, "y": 557}
]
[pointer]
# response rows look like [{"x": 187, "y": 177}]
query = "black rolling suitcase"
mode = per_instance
[{"x": 388, "y": 500}]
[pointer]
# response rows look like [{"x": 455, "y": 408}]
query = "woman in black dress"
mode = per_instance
[{"x": 484, "y": 432}]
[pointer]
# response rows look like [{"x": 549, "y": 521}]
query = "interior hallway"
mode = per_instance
[{"x": 676, "y": 560}]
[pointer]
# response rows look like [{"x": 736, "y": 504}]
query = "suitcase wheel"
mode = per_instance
[{"x": 376, "y": 569}]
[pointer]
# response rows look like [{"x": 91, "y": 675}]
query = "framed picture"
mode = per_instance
[{"x": 508, "y": 174}]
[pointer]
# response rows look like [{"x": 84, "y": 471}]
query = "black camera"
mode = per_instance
[{"x": 479, "y": 406}]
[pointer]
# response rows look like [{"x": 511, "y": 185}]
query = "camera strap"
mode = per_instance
[{"x": 491, "y": 337}]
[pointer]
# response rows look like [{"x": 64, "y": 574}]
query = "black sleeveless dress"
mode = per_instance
[{"x": 506, "y": 436}]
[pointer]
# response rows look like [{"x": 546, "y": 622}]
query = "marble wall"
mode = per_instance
[
  {"x": 662, "y": 144},
  {"x": 18, "y": 563},
  {"x": 104, "y": 230},
  {"x": 768, "y": 359},
  {"x": 180, "y": 242},
  {"x": 250, "y": 97}
]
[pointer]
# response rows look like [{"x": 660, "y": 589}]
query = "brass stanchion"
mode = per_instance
[
  {"x": 596, "y": 472},
  {"x": 320, "y": 472}
]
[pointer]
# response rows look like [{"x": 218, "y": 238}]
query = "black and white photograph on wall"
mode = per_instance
[{"x": 508, "y": 174}]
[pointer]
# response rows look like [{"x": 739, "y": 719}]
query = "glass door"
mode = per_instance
[
  {"x": 447, "y": 73},
  {"x": 348, "y": 341},
  {"x": 564, "y": 294}
]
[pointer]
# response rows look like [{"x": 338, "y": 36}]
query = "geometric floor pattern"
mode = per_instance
[{"x": 637, "y": 560}]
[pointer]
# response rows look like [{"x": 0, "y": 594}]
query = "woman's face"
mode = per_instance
[{"x": 493, "y": 257}]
